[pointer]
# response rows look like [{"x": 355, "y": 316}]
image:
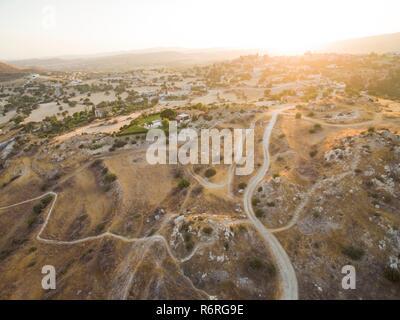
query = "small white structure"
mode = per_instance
[
  {"x": 154, "y": 124},
  {"x": 99, "y": 113},
  {"x": 183, "y": 118}
]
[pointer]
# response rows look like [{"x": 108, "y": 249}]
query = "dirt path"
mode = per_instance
[
  {"x": 103, "y": 235},
  {"x": 310, "y": 193},
  {"x": 288, "y": 279}
]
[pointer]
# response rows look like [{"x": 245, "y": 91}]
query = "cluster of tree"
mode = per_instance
[
  {"x": 52, "y": 125},
  {"x": 388, "y": 87}
]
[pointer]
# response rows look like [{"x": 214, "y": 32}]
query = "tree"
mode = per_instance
[
  {"x": 168, "y": 114},
  {"x": 210, "y": 172},
  {"x": 183, "y": 184}
]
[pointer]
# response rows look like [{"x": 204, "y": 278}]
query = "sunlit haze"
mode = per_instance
[{"x": 40, "y": 28}]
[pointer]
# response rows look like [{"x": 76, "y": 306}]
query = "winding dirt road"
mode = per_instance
[
  {"x": 288, "y": 279},
  {"x": 104, "y": 235}
]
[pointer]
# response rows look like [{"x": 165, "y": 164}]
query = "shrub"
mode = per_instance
[
  {"x": 392, "y": 274},
  {"x": 317, "y": 126},
  {"x": 271, "y": 269},
  {"x": 95, "y": 146},
  {"x": 37, "y": 209},
  {"x": 298, "y": 115},
  {"x": 256, "y": 263},
  {"x": 242, "y": 185},
  {"x": 32, "y": 249},
  {"x": 109, "y": 178},
  {"x": 119, "y": 144},
  {"x": 210, "y": 173},
  {"x": 168, "y": 114},
  {"x": 189, "y": 245},
  {"x": 353, "y": 252},
  {"x": 197, "y": 190},
  {"x": 259, "y": 213},
  {"x": 183, "y": 184},
  {"x": 97, "y": 163},
  {"x": 100, "y": 227},
  {"x": 31, "y": 220},
  {"x": 46, "y": 200},
  {"x": 207, "y": 230},
  {"x": 313, "y": 153},
  {"x": 255, "y": 201}
]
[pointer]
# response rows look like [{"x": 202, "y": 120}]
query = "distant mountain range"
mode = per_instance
[
  {"x": 176, "y": 57},
  {"x": 386, "y": 43},
  {"x": 135, "y": 59}
]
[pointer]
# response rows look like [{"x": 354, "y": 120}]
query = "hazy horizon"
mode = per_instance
[{"x": 47, "y": 28}]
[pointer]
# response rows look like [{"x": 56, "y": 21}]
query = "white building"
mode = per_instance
[
  {"x": 183, "y": 118},
  {"x": 155, "y": 124}
]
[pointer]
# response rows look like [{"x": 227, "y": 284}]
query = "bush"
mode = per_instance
[
  {"x": 31, "y": 220},
  {"x": 37, "y": 209},
  {"x": 46, "y": 200},
  {"x": 353, "y": 252},
  {"x": 207, "y": 230},
  {"x": 97, "y": 163},
  {"x": 271, "y": 269},
  {"x": 210, "y": 173},
  {"x": 168, "y": 114},
  {"x": 242, "y": 185},
  {"x": 256, "y": 263},
  {"x": 183, "y": 184},
  {"x": 255, "y": 201},
  {"x": 313, "y": 153},
  {"x": 298, "y": 115},
  {"x": 392, "y": 274},
  {"x": 197, "y": 190},
  {"x": 110, "y": 178},
  {"x": 189, "y": 245},
  {"x": 259, "y": 213},
  {"x": 119, "y": 144}
]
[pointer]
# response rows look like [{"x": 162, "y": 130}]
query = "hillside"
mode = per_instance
[
  {"x": 6, "y": 68},
  {"x": 378, "y": 44}
]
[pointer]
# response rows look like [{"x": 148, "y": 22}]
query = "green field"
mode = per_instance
[{"x": 137, "y": 125}]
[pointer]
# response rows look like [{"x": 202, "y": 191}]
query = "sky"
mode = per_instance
[{"x": 50, "y": 28}]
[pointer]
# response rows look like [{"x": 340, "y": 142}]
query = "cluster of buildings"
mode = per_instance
[{"x": 181, "y": 118}]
